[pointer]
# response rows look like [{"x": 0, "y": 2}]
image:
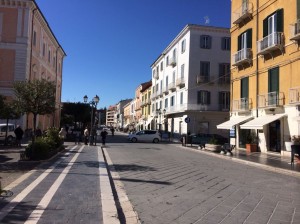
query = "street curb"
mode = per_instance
[
  {"x": 250, "y": 163},
  {"x": 130, "y": 215}
]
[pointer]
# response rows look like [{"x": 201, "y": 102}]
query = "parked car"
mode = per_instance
[
  {"x": 10, "y": 132},
  {"x": 145, "y": 136},
  {"x": 207, "y": 139}
]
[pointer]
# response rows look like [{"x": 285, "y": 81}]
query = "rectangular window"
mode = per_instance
[
  {"x": 166, "y": 103},
  {"x": 167, "y": 81},
  {"x": 34, "y": 38},
  {"x": 225, "y": 43},
  {"x": 49, "y": 56},
  {"x": 183, "y": 46},
  {"x": 167, "y": 61},
  {"x": 182, "y": 71},
  {"x": 153, "y": 108},
  {"x": 181, "y": 98},
  {"x": 204, "y": 68},
  {"x": 161, "y": 66},
  {"x": 156, "y": 88},
  {"x": 205, "y": 42},
  {"x": 245, "y": 87},
  {"x": 224, "y": 100},
  {"x": 273, "y": 23},
  {"x": 203, "y": 97},
  {"x": 172, "y": 101},
  {"x": 160, "y": 104},
  {"x": 44, "y": 49}
]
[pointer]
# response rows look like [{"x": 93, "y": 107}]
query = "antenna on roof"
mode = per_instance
[{"x": 206, "y": 19}]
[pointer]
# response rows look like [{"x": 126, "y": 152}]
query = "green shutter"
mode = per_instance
[
  {"x": 198, "y": 97},
  {"x": 273, "y": 80},
  {"x": 245, "y": 87},
  {"x": 279, "y": 20},
  {"x": 265, "y": 27},
  {"x": 249, "y": 38}
]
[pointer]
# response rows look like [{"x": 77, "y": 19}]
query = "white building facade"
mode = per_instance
[{"x": 191, "y": 82}]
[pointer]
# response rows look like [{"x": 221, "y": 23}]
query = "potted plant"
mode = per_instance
[{"x": 252, "y": 141}]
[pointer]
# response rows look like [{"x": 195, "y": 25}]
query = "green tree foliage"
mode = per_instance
[
  {"x": 36, "y": 97},
  {"x": 8, "y": 111},
  {"x": 73, "y": 113}
]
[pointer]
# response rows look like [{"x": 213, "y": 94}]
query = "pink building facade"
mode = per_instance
[{"x": 29, "y": 50}]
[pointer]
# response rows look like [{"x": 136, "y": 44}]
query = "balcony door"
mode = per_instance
[{"x": 273, "y": 86}]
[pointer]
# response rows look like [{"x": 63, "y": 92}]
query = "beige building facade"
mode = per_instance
[
  {"x": 265, "y": 64},
  {"x": 29, "y": 50}
]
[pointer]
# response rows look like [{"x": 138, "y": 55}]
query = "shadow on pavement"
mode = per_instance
[
  {"x": 145, "y": 181},
  {"x": 131, "y": 167}
]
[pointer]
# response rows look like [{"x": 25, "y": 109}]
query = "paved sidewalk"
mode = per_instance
[{"x": 270, "y": 161}]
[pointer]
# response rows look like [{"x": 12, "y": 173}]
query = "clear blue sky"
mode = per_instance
[{"x": 111, "y": 44}]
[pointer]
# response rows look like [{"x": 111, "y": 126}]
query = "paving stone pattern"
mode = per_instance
[{"x": 167, "y": 184}]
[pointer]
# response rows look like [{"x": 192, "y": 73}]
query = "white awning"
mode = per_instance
[
  {"x": 234, "y": 121},
  {"x": 260, "y": 122}
]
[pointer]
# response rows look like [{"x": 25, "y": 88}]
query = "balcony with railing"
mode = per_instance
[
  {"x": 180, "y": 82},
  {"x": 243, "y": 12},
  {"x": 172, "y": 62},
  {"x": 242, "y": 56},
  {"x": 156, "y": 75},
  {"x": 165, "y": 89},
  {"x": 153, "y": 96},
  {"x": 273, "y": 41},
  {"x": 172, "y": 86},
  {"x": 224, "y": 80},
  {"x": 160, "y": 92},
  {"x": 295, "y": 30},
  {"x": 294, "y": 95},
  {"x": 270, "y": 100},
  {"x": 242, "y": 104},
  {"x": 202, "y": 79}
]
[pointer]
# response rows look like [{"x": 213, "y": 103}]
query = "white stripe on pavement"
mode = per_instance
[
  {"x": 41, "y": 207},
  {"x": 109, "y": 209},
  {"x": 15, "y": 201}
]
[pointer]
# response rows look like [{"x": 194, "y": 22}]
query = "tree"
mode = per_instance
[
  {"x": 36, "y": 97},
  {"x": 9, "y": 110}
]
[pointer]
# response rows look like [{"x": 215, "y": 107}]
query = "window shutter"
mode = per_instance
[
  {"x": 265, "y": 27},
  {"x": 239, "y": 42},
  {"x": 249, "y": 38},
  {"x": 209, "y": 42},
  {"x": 201, "y": 41},
  {"x": 208, "y": 98},
  {"x": 244, "y": 87},
  {"x": 273, "y": 80},
  {"x": 199, "y": 97},
  {"x": 279, "y": 20}
]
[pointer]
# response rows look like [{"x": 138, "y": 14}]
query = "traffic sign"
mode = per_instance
[{"x": 187, "y": 120}]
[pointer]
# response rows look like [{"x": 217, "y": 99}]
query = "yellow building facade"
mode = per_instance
[
  {"x": 146, "y": 107},
  {"x": 265, "y": 86}
]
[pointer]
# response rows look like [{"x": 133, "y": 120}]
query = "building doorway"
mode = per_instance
[{"x": 274, "y": 136}]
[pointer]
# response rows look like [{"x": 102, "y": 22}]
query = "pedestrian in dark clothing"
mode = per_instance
[
  {"x": 103, "y": 136},
  {"x": 112, "y": 131},
  {"x": 19, "y": 135}
]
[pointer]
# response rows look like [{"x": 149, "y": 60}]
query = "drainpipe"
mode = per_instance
[
  {"x": 257, "y": 23},
  {"x": 30, "y": 58}
]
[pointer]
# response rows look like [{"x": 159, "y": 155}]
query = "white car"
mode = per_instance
[
  {"x": 10, "y": 132},
  {"x": 145, "y": 136}
]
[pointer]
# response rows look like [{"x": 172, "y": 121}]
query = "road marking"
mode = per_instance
[
  {"x": 41, "y": 207},
  {"x": 130, "y": 214},
  {"x": 109, "y": 209},
  {"x": 15, "y": 201}
]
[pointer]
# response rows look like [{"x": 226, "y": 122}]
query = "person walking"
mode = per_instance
[
  {"x": 62, "y": 134},
  {"x": 112, "y": 131},
  {"x": 86, "y": 135},
  {"x": 103, "y": 136},
  {"x": 19, "y": 135}
]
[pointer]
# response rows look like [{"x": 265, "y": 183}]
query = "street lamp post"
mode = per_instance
[{"x": 93, "y": 104}]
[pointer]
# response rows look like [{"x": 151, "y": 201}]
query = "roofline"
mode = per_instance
[
  {"x": 40, "y": 11},
  {"x": 181, "y": 33}
]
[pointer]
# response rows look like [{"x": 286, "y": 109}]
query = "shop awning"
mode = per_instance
[
  {"x": 260, "y": 122},
  {"x": 234, "y": 121}
]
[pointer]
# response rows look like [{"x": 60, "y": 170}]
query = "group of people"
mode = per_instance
[{"x": 86, "y": 134}]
